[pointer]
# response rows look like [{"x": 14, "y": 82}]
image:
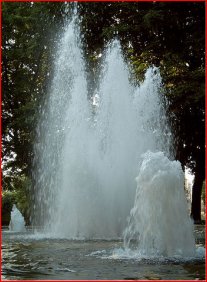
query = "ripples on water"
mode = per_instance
[{"x": 28, "y": 256}]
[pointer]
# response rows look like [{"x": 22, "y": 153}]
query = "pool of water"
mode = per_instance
[{"x": 31, "y": 256}]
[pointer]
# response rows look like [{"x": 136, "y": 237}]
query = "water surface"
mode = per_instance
[{"x": 28, "y": 256}]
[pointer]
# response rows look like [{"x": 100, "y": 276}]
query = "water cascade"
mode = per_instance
[
  {"x": 17, "y": 223},
  {"x": 90, "y": 148}
]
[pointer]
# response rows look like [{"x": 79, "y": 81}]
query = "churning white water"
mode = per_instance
[
  {"x": 89, "y": 152},
  {"x": 159, "y": 220}
]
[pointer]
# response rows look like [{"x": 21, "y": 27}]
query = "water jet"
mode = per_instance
[{"x": 17, "y": 223}]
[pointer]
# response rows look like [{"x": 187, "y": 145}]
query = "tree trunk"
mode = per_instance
[{"x": 196, "y": 197}]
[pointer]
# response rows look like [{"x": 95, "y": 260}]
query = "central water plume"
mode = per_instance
[{"x": 90, "y": 145}]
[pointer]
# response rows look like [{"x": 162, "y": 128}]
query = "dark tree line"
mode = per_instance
[{"x": 170, "y": 36}]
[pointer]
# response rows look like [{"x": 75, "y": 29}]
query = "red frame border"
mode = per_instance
[{"x": 1, "y": 1}]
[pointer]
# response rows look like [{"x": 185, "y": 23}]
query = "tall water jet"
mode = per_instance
[
  {"x": 91, "y": 144},
  {"x": 49, "y": 163}
]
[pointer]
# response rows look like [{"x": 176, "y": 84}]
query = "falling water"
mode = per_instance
[{"x": 90, "y": 148}]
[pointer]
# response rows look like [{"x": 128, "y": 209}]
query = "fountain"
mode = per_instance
[
  {"x": 159, "y": 221},
  {"x": 90, "y": 150},
  {"x": 17, "y": 223}
]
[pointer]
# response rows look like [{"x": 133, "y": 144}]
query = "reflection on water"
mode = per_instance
[{"x": 25, "y": 257}]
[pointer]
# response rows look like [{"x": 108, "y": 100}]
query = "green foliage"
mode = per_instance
[
  {"x": 139, "y": 65},
  {"x": 153, "y": 18}
]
